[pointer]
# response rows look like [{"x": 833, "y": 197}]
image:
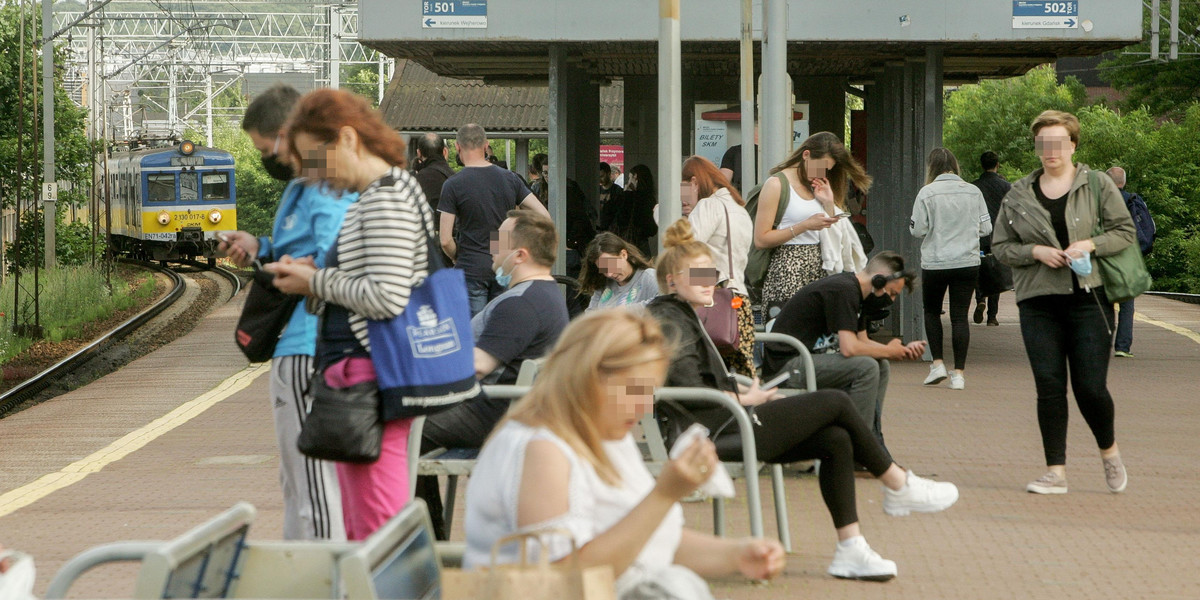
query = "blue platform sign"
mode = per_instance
[
  {"x": 453, "y": 14},
  {"x": 1045, "y": 14}
]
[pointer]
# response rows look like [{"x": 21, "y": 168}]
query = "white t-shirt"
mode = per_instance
[
  {"x": 593, "y": 505},
  {"x": 798, "y": 210},
  {"x": 642, "y": 287}
]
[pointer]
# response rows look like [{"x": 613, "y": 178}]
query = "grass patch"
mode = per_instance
[{"x": 69, "y": 299}]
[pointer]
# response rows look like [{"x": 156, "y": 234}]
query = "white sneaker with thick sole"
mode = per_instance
[
  {"x": 855, "y": 559},
  {"x": 957, "y": 382},
  {"x": 937, "y": 374},
  {"x": 919, "y": 495}
]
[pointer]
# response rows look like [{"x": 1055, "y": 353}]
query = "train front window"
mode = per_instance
[
  {"x": 189, "y": 187},
  {"x": 215, "y": 186},
  {"x": 161, "y": 187}
]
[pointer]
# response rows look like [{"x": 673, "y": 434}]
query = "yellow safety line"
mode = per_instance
[
  {"x": 32, "y": 492},
  {"x": 1185, "y": 332}
]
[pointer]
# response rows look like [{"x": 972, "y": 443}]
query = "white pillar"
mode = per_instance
[{"x": 670, "y": 116}]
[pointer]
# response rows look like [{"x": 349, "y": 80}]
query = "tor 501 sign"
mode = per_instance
[{"x": 454, "y": 14}]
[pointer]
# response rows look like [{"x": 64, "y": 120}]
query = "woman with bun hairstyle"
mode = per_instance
[
  {"x": 818, "y": 175},
  {"x": 379, "y": 257},
  {"x": 819, "y": 425},
  {"x": 615, "y": 273},
  {"x": 564, "y": 459},
  {"x": 719, "y": 219}
]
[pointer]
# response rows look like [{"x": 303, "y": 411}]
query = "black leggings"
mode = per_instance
[
  {"x": 824, "y": 425},
  {"x": 961, "y": 283}
]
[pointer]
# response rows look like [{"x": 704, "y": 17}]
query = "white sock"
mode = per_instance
[{"x": 850, "y": 542}]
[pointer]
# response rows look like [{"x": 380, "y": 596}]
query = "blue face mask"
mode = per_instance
[
  {"x": 1083, "y": 264},
  {"x": 503, "y": 278}
]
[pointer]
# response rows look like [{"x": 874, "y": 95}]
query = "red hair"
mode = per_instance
[
  {"x": 709, "y": 179},
  {"x": 323, "y": 113}
]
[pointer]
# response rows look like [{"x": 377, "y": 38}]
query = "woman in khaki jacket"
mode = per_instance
[{"x": 1045, "y": 232}]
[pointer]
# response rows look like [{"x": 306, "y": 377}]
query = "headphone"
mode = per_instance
[{"x": 880, "y": 281}]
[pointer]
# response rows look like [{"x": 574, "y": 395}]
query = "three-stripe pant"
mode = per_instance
[{"x": 312, "y": 502}]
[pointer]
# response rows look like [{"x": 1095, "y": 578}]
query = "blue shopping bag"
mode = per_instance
[{"x": 424, "y": 358}]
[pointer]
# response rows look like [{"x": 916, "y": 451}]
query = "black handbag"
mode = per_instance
[
  {"x": 994, "y": 276},
  {"x": 343, "y": 424},
  {"x": 265, "y": 314}
]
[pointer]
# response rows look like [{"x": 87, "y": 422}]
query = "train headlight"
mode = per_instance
[
  {"x": 214, "y": 216},
  {"x": 164, "y": 218},
  {"x": 187, "y": 148}
]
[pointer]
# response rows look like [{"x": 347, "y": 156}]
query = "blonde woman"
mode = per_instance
[
  {"x": 817, "y": 174},
  {"x": 564, "y": 458}
]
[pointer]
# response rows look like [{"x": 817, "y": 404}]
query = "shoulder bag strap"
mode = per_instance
[
  {"x": 1092, "y": 183},
  {"x": 785, "y": 196},
  {"x": 728, "y": 239}
]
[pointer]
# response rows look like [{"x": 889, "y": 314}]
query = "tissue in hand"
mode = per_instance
[{"x": 719, "y": 484}]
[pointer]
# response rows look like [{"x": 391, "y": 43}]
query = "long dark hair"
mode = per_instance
[
  {"x": 590, "y": 277},
  {"x": 645, "y": 181},
  {"x": 941, "y": 160},
  {"x": 821, "y": 145}
]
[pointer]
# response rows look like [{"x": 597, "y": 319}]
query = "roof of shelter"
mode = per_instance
[{"x": 419, "y": 100}]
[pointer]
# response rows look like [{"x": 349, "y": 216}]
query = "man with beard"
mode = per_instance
[
  {"x": 306, "y": 225},
  {"x": 827, "y": 317}
]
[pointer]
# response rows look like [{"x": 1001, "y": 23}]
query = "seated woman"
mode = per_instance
[
  {"x": 615, "y": 273},
  {"x": 820, "y": 425},
  {"x": 564, "y": 458}
]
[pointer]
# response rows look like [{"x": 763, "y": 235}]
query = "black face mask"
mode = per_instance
[
  {"x": 876, "y": 307},
  {"x": 278, "y": 169}
]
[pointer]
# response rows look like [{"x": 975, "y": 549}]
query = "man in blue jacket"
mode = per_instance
[
  {"x": 306, "y": 225},
  {"x": 1146, "y": 231}
]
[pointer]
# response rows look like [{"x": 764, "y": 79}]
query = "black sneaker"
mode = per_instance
[{"x": 979, "y": 308}]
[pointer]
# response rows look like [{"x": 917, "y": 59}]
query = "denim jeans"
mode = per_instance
[
  {"x": 1068, "y": 336},
  {"x": 480, "y": 292},
  {"x": 1125, "y": 327}
]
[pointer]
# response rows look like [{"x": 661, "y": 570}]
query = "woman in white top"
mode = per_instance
[
  {"x": 564, "y": 458},
  {"x": 719, "y": 220},
  {"x": 817, "y": 174},
  {"x": 615, "y": 273}
]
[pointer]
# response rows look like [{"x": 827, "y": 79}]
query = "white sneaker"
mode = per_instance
[
  {"x": 957, "y": 382},
  {"x": 919, "y": 495},
  {"x": 937, "y": 374},
  {"x": 855, "y": 559}
]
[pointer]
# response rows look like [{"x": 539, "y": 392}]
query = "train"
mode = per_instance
[{"x": 172, "y": 202}]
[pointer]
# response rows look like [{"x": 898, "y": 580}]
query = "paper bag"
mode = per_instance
[{"x": 529, "y": 581}]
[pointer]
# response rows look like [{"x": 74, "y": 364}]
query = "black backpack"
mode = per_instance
[{"x": 1146, "y": 229}]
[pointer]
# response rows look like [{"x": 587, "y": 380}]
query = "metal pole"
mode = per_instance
[
  {"x": 1173, "y": 52},
  {"x": 172, "y": 98},
  {"x": 90, "y": 99},
  {"x": 50, "y": 213},
  {"x": 670, "y": 116},
  {"x": 776, "y": 114},
  {"x": 381, "y": 78},
  {"x": 208, "y": 108},
  {"x": 17, "y": 245},
  {"x": 335, "y": 46},
  {"x": 749, "y": 156},
  {"x": 1155, "y": 15}
]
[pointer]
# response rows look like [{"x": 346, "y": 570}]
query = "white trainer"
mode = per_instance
[
  {"x": 937, "y": 374},
  {"x": 855, "y": 559},
  {"x": 919, "y": 495},
  {"x": 957, "y": 382}
]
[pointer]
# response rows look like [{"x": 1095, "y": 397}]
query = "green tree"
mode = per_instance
[
  {"x": 257, "y": 193},
  {"x": 1167, "y": 88}
]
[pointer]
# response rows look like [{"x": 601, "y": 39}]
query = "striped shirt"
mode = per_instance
[{"x": 382, "y": 252}]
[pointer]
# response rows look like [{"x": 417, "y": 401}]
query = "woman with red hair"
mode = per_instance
[
  {"x": 719, "y": 220},
  {"x": 380, "y": 255}
]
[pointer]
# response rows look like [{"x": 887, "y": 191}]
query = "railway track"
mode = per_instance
[{"x": 32, "y": 388}]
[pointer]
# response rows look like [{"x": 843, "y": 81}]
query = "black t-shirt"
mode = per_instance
[
  {"x": 732, "y": 160},
  {"x": 479, "y": 198},
  {"x": 523, "y": 322},
  {"x": 1058, "y": 213},
  {"x": 815, "y": 315}
]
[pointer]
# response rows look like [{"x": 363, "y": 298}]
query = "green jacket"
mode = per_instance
[{"x": 1023, "y": 223}]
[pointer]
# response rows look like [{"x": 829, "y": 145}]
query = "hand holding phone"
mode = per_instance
[{"x": 777, "y": 380}]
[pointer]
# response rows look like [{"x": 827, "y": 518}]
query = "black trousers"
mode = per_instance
[
  {"x": 961, "y": 283},
  {"x": 1069, "y": 336},
  {"x": 821, "y": 425}
]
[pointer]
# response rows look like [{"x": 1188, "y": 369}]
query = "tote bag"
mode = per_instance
[
  {"x": 265, "y": 314},
  {"x": 529, "y": 581},
  {"x": 425, "y": 356},
  {"x": 1124, "y": 273}
]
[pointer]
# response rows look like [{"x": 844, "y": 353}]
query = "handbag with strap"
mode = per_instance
[
  {"x": 425, "y": 356},
  {"x": 530, "y": 581},
  {"x": 265, "y": 314},
  {"x": 759, "y": 259},
  {"x": 1124, "y": 273},
  {"x": 994, "y": 276},
  {"x": 343, "y": 424},
  {"x": 720, "y": 319}
]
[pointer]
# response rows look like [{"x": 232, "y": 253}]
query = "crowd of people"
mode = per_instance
[{"x": 357, "y": 230}]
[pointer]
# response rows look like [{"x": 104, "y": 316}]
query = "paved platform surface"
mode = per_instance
[{"x": 182, "y": 434}]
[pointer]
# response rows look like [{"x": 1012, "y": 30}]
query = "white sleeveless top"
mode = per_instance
[
  {"x": 593, "y": 506},
  {"x": 798, "y": 210}
]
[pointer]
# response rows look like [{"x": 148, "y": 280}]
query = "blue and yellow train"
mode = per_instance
[{"x": 169, "y": 203}]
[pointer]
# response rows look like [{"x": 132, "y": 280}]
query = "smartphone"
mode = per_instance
[{"x": 777, "y": 380}]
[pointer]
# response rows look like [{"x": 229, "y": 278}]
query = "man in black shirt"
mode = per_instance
[
  {"x": 476, "y": 199},
  {"x": 994, "y": 187},
  {"x": 826, "y": 316},
  {"x": 431, "y": 168}
]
